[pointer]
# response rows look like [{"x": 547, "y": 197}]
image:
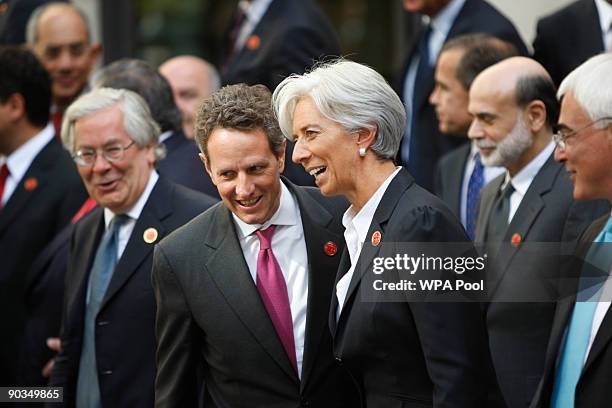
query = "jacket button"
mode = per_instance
[
  {"x": 339, "y": 359},
  {"x": 103, "y": 323},
  {"x": 304, "y": 402},
  {"x": 107, "y": 372}
]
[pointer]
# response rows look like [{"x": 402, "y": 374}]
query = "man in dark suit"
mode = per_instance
[
  {"x": 271, "y": 40},
  {"x": 107, "y": 353},
  {"x": 460, "y": 175},
  {"x": 40, "y": 189},
  {"x": 181, "y": 163},
  {"x": 578, "y": 364},
  {"x": 560, "y": 50},
  {"x": 423, "y": 144},
  {"x": 514, "y": 108},
  {"x": 248, "y": 308}
]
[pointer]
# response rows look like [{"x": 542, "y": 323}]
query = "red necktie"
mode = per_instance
[
  {"x": 4, "y": 173},
  {"x": 56, "y": 118},
  {"x": 273, "y": 291}
]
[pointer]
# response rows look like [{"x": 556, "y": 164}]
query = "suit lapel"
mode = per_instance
[
  {"x": 157, "y": 207},
  {"x": 402, "y": 181},
  {"x": 589, "y": 34},
  {"x": 228, "y": 268},
  {"x": 345, "y": 265},
  {"x": 486, "y": 205},
  {"x": 36, "y": 176},
  {"x": 531, "y": 205},
  {"x": 321, "y": 274},
  {"x": 89, "y": 237}
]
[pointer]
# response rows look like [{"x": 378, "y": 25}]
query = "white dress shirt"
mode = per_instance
[
  {"x": 440, "y": 27},
  {"x": 604, "y": 10},
  {"x": 522, "y": 180},
  {"x": 356, "y": 228},
  {"x": 289, "y": 248},
  {"x": 21, "y": 159},
  {"x": 489, "y": 173},
  {"x": 125, "y": 231}
]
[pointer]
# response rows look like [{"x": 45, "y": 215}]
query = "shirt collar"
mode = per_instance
[
  {"x": 443, "y": 21},
  {"x": 136, "y": 210},
  {"x": 522, "y": 180},
  {"x": 362, "y": 220},
  {"x": 287, "y": 214},
  {"x": 604, "y": 10},
  {"x": 256, "y": 9},
  {"x": 20, "y": 160},
  {"x": 164, "y": 136},
  {"x": 473, "y": 150}
]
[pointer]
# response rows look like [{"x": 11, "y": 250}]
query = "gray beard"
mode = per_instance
[{"x": 512, "y": 147}]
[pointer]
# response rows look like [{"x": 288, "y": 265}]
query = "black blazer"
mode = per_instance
[
  {"x": 430, "y": 144},
  {"x": 449, "y": 177},
  {"x": 593, "y": 388},
  {"x": 125, "y": 336},
  {"x": 410, "y": 354},
  {"x": 183, "y": 165},
  {"x": 210, "y": 315},
  {"x": 45, "y": 200},
  {"x": 292, "y": 34},
  {"x": 560, "y": 49},
  {"x": 520, "y": 329}
]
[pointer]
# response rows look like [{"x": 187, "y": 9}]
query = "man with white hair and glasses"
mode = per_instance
[
  {"x": 107, "y": 355},
  {"x": 514, "y": 107},
  {"x": 578, "y": 365}
]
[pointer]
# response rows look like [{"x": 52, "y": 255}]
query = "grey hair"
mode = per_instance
[
  {"x": 591, "y": 85},
  {"x": 137, "y": 119},
  {"x": 32, "y": 26},
  {"x": 351, "y": 94}
]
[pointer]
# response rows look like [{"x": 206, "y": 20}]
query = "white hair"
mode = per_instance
[
  {"x": 591, "y": 85},
  {"x": 351, "y": 94},
  {"x": 137, "y": 119}
]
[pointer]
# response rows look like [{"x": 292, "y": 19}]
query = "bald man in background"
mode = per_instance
[
  {"x": 60, "y": 37},
  {"x": 514, "y": 107},
  {"x": 192, "y": 79}
]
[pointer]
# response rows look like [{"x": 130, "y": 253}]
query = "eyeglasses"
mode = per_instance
[
  {"x": 112, "y": 153},
  {"x": 560, "y": 136}
]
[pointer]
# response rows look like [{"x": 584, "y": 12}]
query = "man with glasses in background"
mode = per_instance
[
  {"x": 578, "y": 365},
  {"x": 515, "y": 107},
  {"x": 107, "y": 355}
]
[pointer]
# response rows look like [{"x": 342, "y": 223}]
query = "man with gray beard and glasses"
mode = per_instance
[{"x": 514, "y": 108}]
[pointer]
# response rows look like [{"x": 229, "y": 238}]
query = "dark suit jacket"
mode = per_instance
[
  {"x": 449, "y": 177},
  {"x": 414, "y": 354},
  {"x": 430, "y": 144},
  {"x": 183, "y": 165},
  {"x": 519, "y": 331},
  {"x": 593, "y": 388},
  {"x": 28, "y": 221},
  {"x": 125, "y": 336},
  {"x": 293, "y": 34},
  {"x": 44, "y": 292},
  {"x": 210, "y": 313},
  {"x": 560, "y": 49}
]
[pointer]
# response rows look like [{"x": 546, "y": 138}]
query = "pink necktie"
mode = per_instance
[
  {"x": 4, "y": 173},
  {"x": 273, "y": 291}
]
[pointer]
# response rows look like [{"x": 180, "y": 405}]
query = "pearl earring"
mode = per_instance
[{"x": 362, "y": 151}]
